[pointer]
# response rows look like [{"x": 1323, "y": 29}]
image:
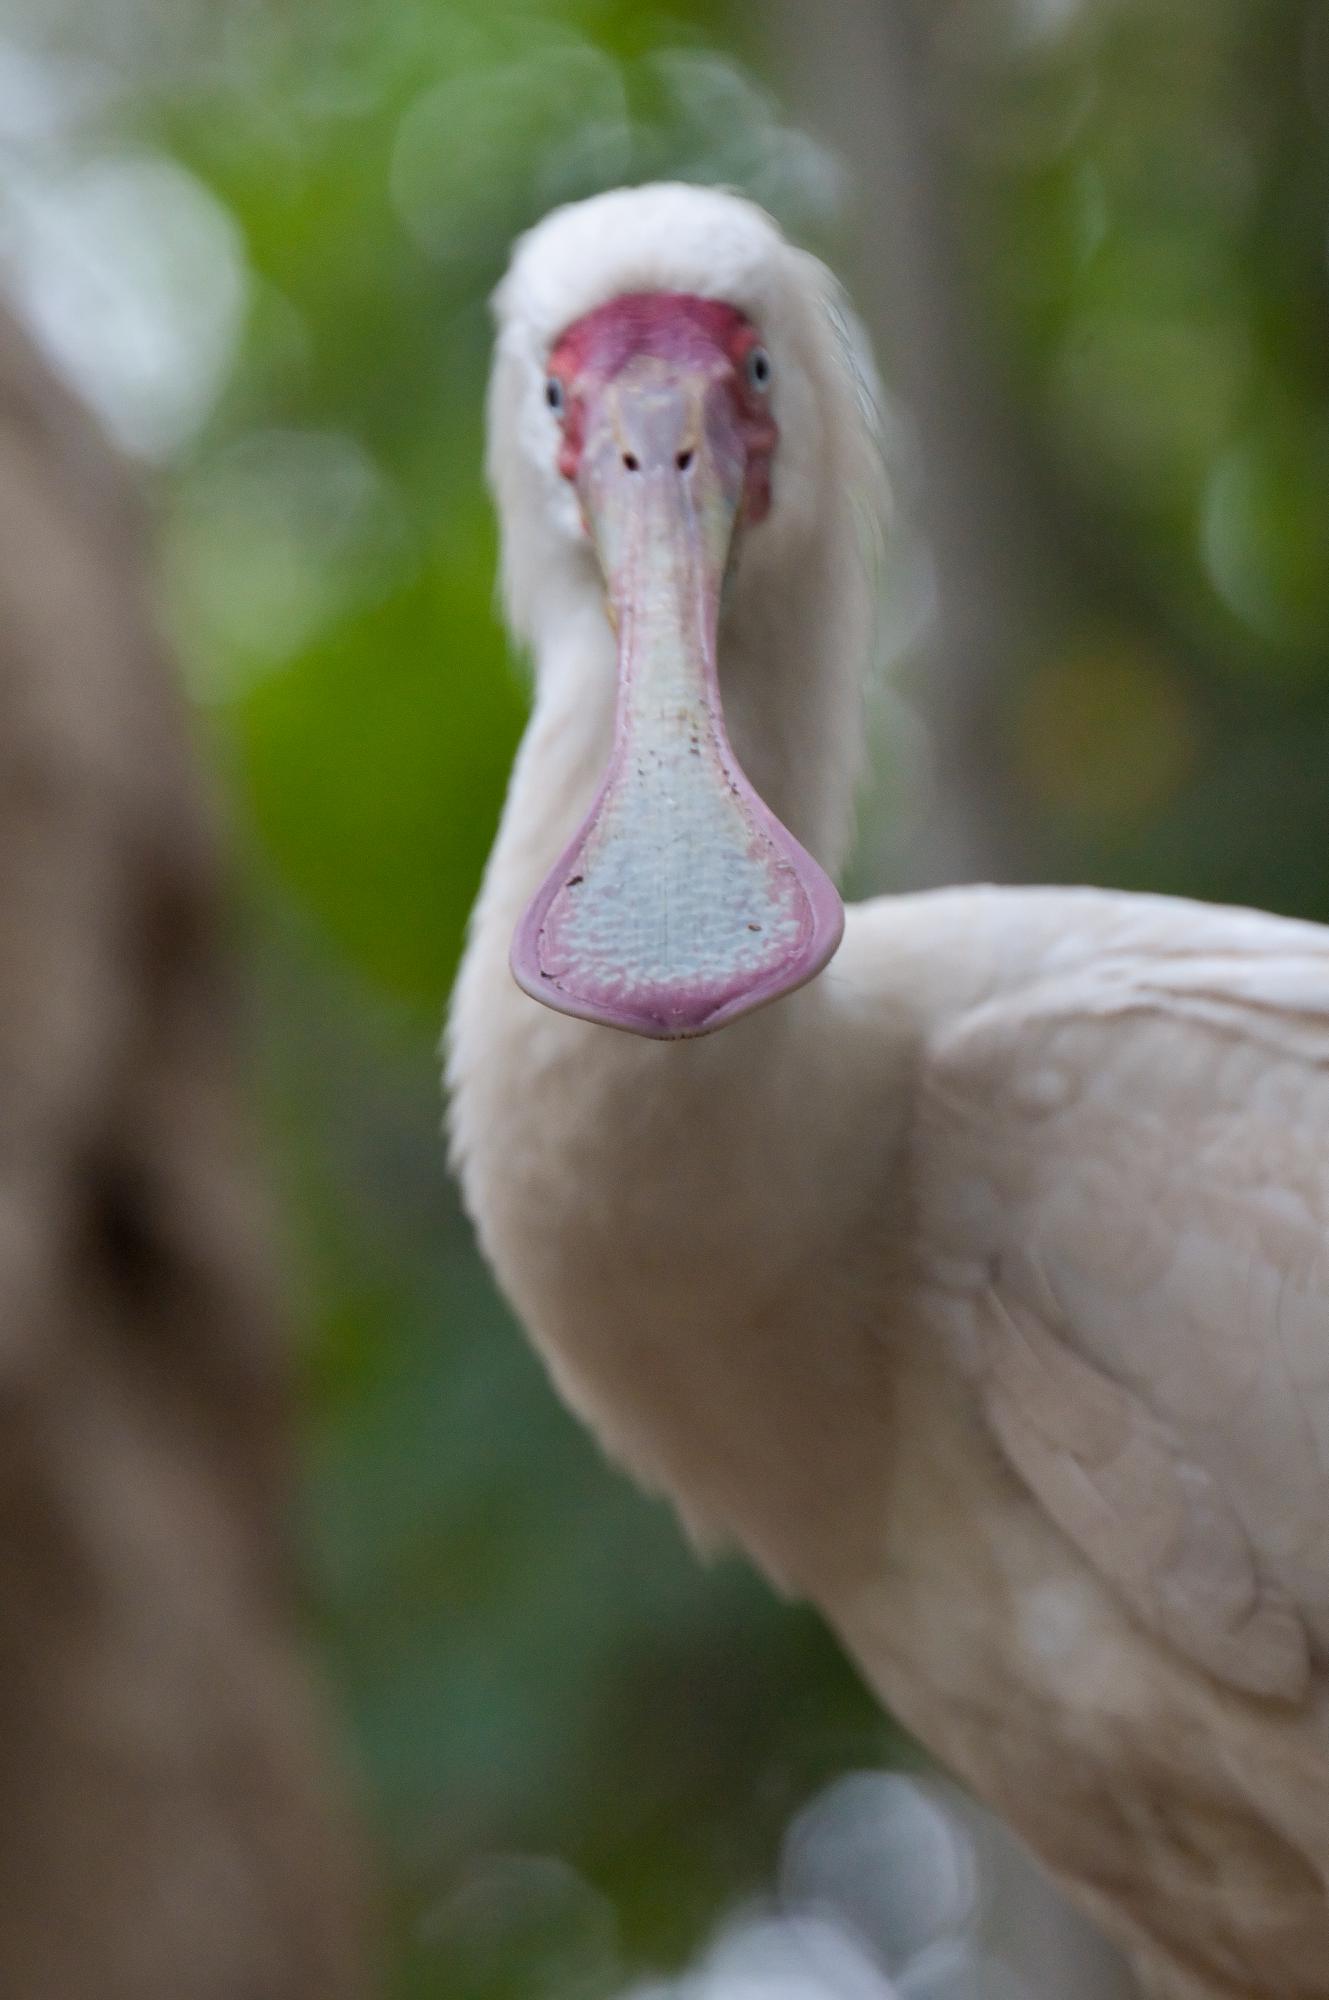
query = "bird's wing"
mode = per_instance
[{"x": 1124, "y": 1187}]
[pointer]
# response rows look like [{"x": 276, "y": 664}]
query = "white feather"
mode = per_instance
[{"x": 978, "y": 1288}]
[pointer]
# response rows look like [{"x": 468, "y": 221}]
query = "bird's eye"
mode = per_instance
[
  {"x": 554, "y": 394},
  {"x": 759, "y": 370}
]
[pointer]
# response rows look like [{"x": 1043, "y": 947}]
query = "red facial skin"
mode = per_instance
[{"x": 678, "y": 327}]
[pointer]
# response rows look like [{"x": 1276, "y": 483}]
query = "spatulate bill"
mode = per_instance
[{"x": 682, "y": 902}]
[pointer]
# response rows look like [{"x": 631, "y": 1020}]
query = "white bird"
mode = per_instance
[{"x": 979, "y": 1288}]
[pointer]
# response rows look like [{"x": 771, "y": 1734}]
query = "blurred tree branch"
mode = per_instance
[
  {"x": 859, "y": 74},
  {"x": 167, "y": 1828}
]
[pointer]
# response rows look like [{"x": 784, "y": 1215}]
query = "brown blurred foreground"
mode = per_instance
[{"x": 167, "y": 1829}]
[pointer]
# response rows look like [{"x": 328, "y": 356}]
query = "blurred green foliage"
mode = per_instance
[
  {"x": 1144, "y": 193},
  {"x": 576, "y": 1745}
]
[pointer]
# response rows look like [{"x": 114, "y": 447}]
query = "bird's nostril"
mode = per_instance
[
  {"x": 632, "y": 462},
  {"x": 683, "y": 461}
]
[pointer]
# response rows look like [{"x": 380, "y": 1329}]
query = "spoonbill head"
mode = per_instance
[{"x": 705, "y": 451}]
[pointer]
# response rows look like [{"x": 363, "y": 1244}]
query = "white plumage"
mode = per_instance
[{"x": 979, "y": 1288}]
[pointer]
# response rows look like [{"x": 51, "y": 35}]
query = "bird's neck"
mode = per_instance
[
  {"x": 645, "y": 1202},
  {"x": 538, "y": 1094}
]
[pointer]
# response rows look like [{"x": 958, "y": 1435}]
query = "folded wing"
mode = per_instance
[{"x": 1125, "y": 1206}]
